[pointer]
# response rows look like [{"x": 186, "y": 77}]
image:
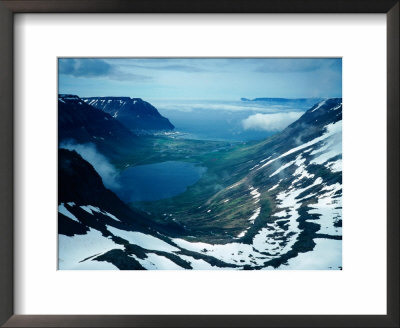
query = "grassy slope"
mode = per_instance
[
  {"x": 209, "y": 210},
  {"x": 201, "y": 209}
]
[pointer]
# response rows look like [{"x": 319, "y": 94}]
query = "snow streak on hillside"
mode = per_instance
[{"x": 303, "y": 231}]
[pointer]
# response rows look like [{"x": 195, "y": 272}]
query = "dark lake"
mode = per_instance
[{"x": 157, "y": 181}]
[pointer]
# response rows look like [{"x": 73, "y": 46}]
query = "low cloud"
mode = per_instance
[
  {"x": 291, "y": 65},
  {"x": 96, "y": 68},
  {"x": 270, "y": 122},
  {"x": 84, "y": 67},
  {"x": 172, "y": 67},
  {"x": 103, "y": 167},
  {"x": 230, "y": 107}
]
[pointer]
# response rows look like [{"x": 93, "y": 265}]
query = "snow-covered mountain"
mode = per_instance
[
  {"x": 290, "y": 198},
  {"x": 135, "y": 113},
  {"x": 82, "y": 123},
  {"x": 283, "y": 211}
]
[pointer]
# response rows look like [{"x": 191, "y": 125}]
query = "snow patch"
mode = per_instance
[
  {"x": 62, "y": 209},
  {"x": 319, "y": 105},
  {"x": 242, "y": 234},
  {"x": 145, "y": 241},
  {"x": 255, "y": 215},
  {"x": 157, "y": 262},
  {"x": 327, "y": 254},
  {"x": 254, "y": 192},
  {"x": 234, "y": 185},
  {"x": 329, "y": 210},
  {"x": 331, "y": 129},
  {"x": 280, "y": 214},
  {"x": 269, "y": 239},
  {"x": 334, "y": 166},
  {"x": 233, "y": 253},
  {"x": 72, "y": 250},
  {"x": 282, "y": 168},
  {"x": 332, "y": 147},
  {"x": 275, "y": 186},
  {"x": 301, "y": 170},
  {"x": 90, "y": 209},
  {"x": 198, "y": 264}
]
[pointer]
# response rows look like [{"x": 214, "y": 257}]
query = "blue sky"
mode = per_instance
[{"x": 201, "y": 79}]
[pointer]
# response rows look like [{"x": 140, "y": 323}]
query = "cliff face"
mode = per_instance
[
  {"x": 83, "y": 123},
  {"x": 133, "y": 113}
]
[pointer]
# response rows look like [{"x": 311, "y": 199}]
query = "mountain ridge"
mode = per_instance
[
  {"x": 133, "y": 113},
  {"x": 83, "y": 123}
]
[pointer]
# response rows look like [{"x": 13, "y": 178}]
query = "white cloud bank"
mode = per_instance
[{"x": 270, "y": 122}]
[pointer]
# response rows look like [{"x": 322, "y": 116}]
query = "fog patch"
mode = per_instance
[
  {"x": 270, "y": 122},
  {"x": 101, "y": 164}
]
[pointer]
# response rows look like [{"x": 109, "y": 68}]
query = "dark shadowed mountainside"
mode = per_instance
[
  {"x": 134, "y": 113},
  {"x": 84, "y": 123}
]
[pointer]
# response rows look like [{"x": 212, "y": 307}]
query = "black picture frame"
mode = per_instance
[{"x": 10, "y": 7}]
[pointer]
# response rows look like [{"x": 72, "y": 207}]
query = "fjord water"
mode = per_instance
[
  {"x": 157, "y": 181},
  {"x": 223, "y": 119}
]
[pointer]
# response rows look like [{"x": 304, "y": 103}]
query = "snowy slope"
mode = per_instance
[{"x": 292, "y": 192}]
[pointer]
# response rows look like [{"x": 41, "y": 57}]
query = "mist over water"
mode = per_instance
[{"x": 229, "y": 120}]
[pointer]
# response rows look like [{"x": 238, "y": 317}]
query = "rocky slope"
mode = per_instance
[
  {"x": 134, "y": 113},
  {"x": 83, "y": 123}
]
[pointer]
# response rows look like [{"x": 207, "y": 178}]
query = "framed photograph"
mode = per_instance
[
  {"x": 214, "y": 183},
  {"x": 213, "y": 164}
]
